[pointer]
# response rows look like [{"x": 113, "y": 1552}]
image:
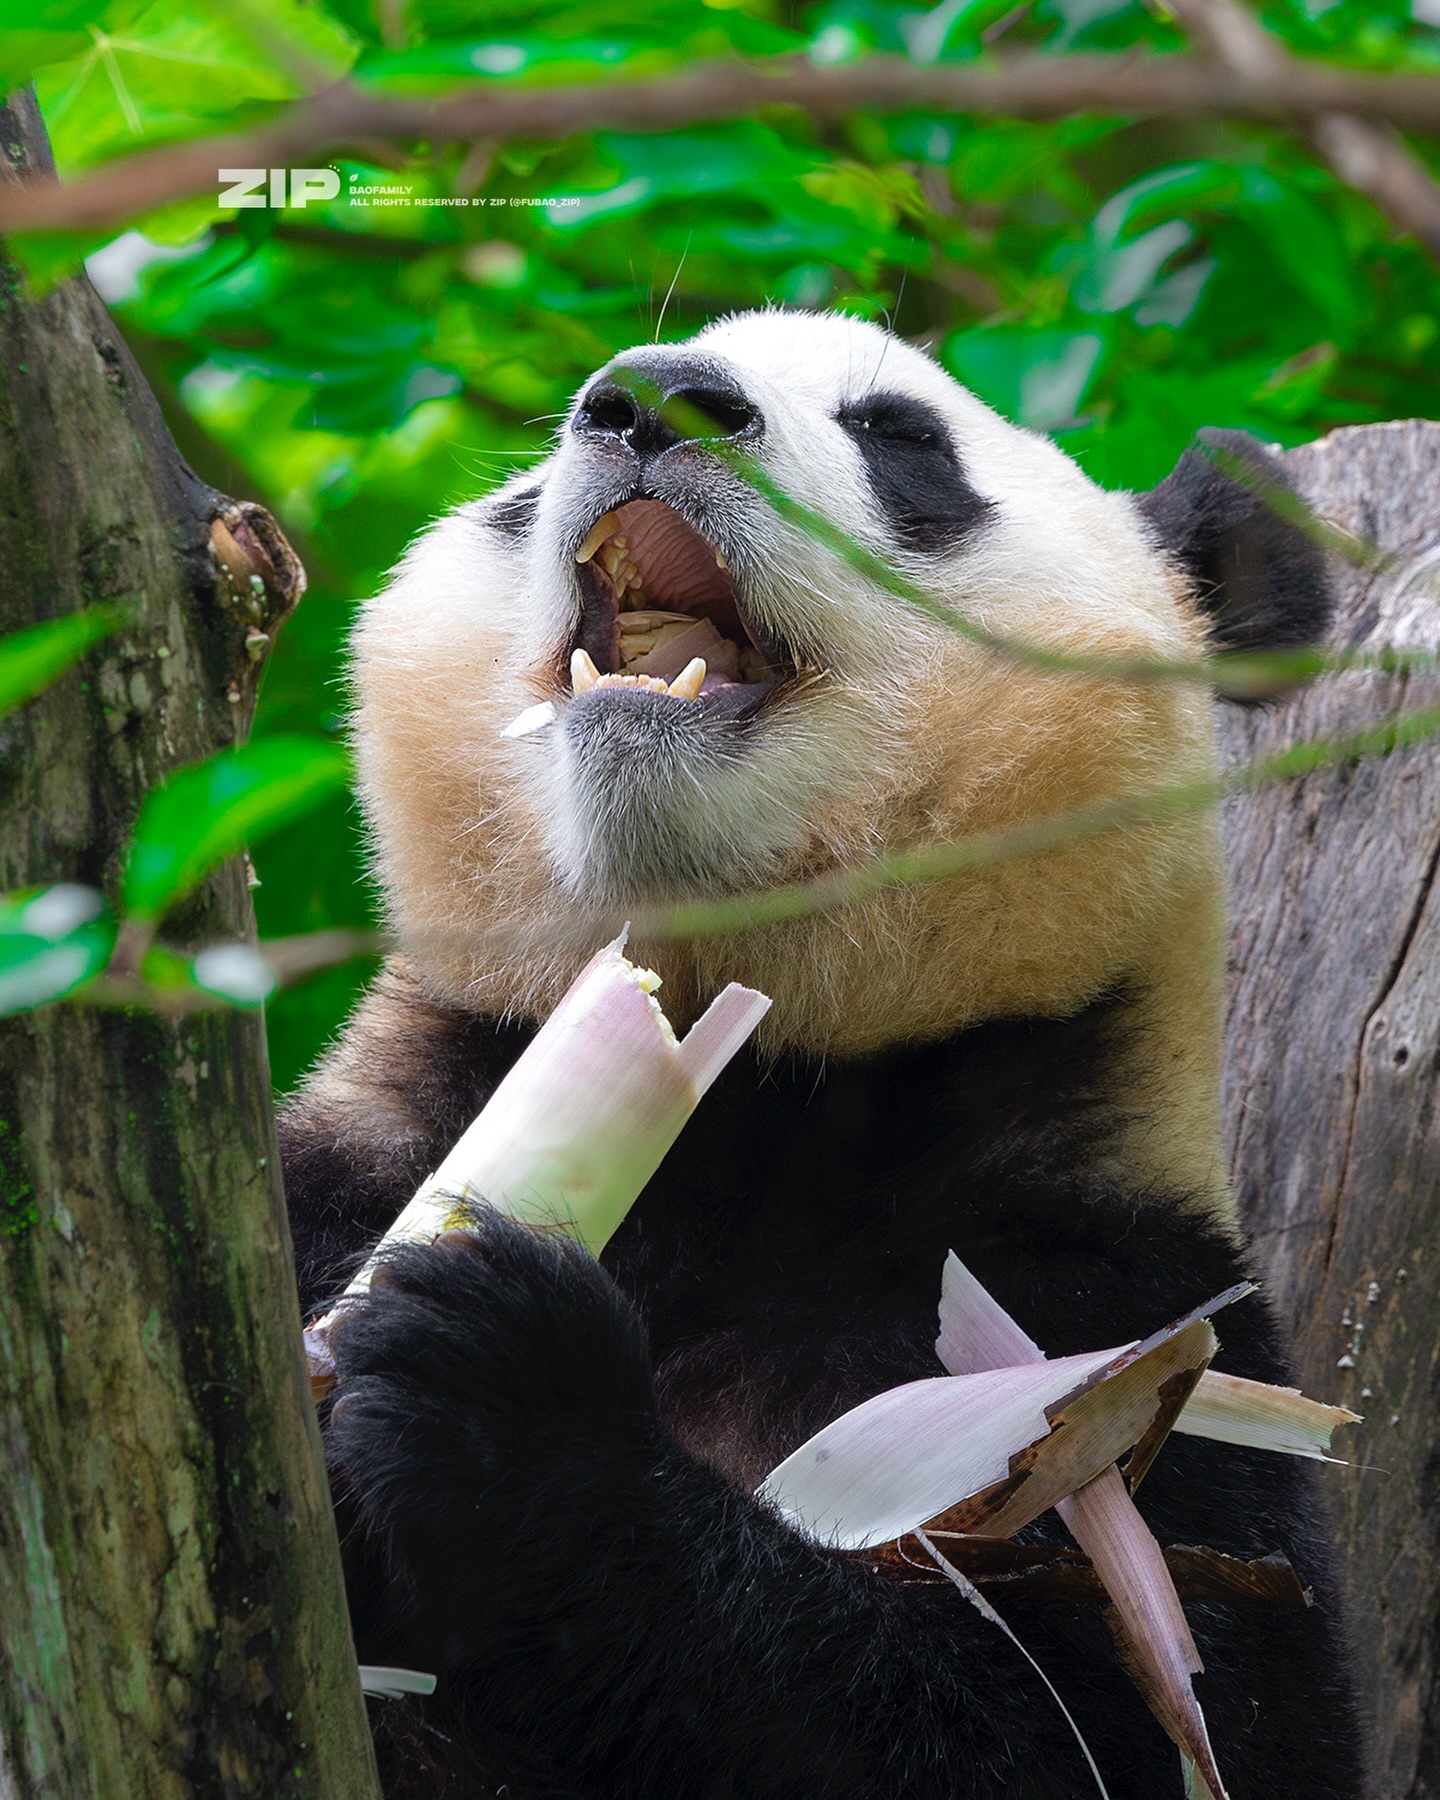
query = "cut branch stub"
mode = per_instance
[{"x": 259, "y": 582}]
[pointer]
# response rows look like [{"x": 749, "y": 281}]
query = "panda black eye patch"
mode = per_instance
[{"x": 914, "y": 470}]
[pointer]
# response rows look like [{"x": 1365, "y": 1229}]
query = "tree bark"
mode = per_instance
[
  {"x": 172, "y": 1620},
  {"x": 1332, "y": 1061}
]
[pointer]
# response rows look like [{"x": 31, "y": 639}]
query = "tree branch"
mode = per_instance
[
  {"x": 1035, "y": 87},
  {"x": 1375, "y": 161},
  {"x": 1367, "y": 154}
]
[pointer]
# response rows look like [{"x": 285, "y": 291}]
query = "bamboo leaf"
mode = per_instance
[
  {"x": 1149, "y": 1621},
  {"x": 234, "y": 972},
  {"x": 977, "y": 1333},
  {"x": 908, "y": 1454},
  {"x": 986, "y": 1452},
  {"x": 1232, "y": 1410},
  {"x": 393, "y": 1684},
  {"x": 1132, "y": 1404}
]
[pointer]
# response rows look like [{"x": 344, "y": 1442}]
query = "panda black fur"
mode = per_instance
[{"x": 544, "y": 1468}]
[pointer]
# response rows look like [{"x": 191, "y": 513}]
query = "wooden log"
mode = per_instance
[
  {"x": 1333, "y": 1071},
  {"x": 172, "y": 1620}
]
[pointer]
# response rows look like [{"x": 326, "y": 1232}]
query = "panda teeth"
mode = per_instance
[
  {"x": 585, "y": 678},
  {"x": 613, "y": 557},
  {"x": 651, "y": 683},
  {"x": 688, "y": 683},
  {"x": 603, "y": 528}
]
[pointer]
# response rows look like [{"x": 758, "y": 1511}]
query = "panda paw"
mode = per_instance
[{"x": 493, "y": 1399}]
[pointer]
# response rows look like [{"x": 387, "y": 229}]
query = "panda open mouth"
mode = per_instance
[{"x": 660, "y": 614}]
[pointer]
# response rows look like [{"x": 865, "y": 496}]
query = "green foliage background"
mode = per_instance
[{"x": 1116, "y": 282}]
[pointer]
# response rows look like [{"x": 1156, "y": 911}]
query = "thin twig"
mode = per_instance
[
  {"x": 942, "y": 862},
  {"x": 987, "y": 1611},
  {"x": 290, "y": 958},
  {"x": 1030, "y": 86},
  {"x": 1248, "y": 674}
]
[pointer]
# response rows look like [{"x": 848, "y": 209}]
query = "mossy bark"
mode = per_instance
[{"x": 172, "y": 1621}]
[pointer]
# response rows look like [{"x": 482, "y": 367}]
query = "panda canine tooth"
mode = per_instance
[
  {"x": 583, "y": 673},
  {"x": 596, "y": 536},
  {"x": 687, "y": 684}
]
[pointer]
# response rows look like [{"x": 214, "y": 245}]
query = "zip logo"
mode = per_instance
[{"x": 283, "y": 187}]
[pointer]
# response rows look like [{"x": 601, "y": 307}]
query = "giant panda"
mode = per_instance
[{"x": 545, "y": 1466}]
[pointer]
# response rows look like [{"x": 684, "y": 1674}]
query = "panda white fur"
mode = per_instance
[{"x": 545, "y": 1470}]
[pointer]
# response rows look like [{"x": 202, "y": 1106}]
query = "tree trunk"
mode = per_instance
[
  {"x": 1332, "y": 1062},
  {"x": 172, "y": 1620}
]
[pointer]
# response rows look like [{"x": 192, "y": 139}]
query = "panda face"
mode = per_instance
[
  {"x": 650, "y": 549},
  {"x": 832, "y": 719}
]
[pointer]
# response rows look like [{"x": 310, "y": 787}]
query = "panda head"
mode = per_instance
[{"x": 834, "y": 720}]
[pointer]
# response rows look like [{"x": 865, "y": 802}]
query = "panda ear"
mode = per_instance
[{"x": 1229, "y": 517}]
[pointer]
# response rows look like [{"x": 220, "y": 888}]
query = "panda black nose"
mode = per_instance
[{"x": 652, "y": 408}]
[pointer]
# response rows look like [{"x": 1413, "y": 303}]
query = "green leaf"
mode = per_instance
[
  {"x": 207, "y": 812},
  {"x": 743, "y": 157},
  {"x": 36, "y": 33},
  {"x": 1036, "y": 377},
  {"x": 174, "y": 67},
  {"x": 1304, "y": 242},
  {"x": 50, "y": 941},
  {"x": 46, "y": 258},
  {"x": 439, "y": 66},
  {"x": 236, "y": 973},
  {"x": 31, "y": 659}
]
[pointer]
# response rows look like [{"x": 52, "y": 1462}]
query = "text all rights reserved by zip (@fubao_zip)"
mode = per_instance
[{"x": 304, "y": 187}]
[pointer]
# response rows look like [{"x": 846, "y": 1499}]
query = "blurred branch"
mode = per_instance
[
  {"x": 1277, "y": 87},
  {"x": 1367, "y": 154},
  {"x": 293, "y": 958},
  {"x": 290, "y": 959},
  {"x": 1375, "y": 161}
]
